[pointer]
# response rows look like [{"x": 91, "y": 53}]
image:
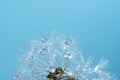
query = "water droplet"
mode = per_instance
[
  {"x": 30, "y": 56},
  {"x": 44, "y": 40},
  {"x": 68, "y": 56},
  {"x": 85, "y": 69},
  {"x": 78, "y": 67},
  {"x": 16, "y": 77},
  {"x": 43, "y": 51},
  {"x": 70, "y": 73},
  {"x": 51, "y": 69},
  {"x": 68, "y": 42}
]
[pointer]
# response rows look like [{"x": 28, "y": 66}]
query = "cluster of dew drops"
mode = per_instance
[{"x": 47, "y": 55}]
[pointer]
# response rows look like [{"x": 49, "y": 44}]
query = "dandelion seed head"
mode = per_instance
[{"x": 55, "y": 59}]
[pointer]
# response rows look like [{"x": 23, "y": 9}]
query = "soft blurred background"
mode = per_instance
[{"x": 96, "y": 22}]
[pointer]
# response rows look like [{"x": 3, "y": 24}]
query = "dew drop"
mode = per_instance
[
  {"x": 16, "y": 77},
  {"x": 68, "y": 56},
  {"x": 44, "y": 40},
  {"x": 68, "y": 42},
  {"x": 43, "y": 51},
  {"x": 30, "y": 57}
]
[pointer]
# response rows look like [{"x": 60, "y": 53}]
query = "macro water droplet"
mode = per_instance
[
  {"x": 16, "y": 77},
  {"x": 44, "y": 40},
  {"x": 30, "y": 56},
  {"x": 68, "y": 42},
  {"x": 43, "y": 51},
  {"x": 68, "y": 56}
]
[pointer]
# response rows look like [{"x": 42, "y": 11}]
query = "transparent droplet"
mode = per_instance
[
  {"x": 30, "y": 56},
  {"x": 70, "y": 73},
  {"x": 68, "y": 41},
  {"x": 16, "y": 77},
  {"x": 85, "y": 69},
  {"x": 51, "y": 69},
  {"x": 53, "y": 57},
  {"x": 78, "y": 67},
  {"x": 68, "y": 56},
  {"x": 43, "y": 51},
  {"x": 44, "y": 40}
]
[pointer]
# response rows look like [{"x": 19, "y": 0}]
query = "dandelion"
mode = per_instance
[{"x": 56, "y": 60}]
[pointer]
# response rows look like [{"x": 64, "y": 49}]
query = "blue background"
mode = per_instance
[{"x": 96, "y": 22}]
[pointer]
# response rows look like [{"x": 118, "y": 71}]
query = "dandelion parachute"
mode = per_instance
[{"x": 56, "y": 59}]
